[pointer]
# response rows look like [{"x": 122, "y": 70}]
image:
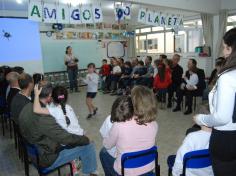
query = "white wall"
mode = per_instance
[{"x": 228, "y": 4}]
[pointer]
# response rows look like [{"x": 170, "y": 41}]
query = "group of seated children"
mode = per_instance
[{"x": 119, "y": 77}]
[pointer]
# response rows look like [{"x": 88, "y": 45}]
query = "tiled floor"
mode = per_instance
[{"x": 172, "y": 127}]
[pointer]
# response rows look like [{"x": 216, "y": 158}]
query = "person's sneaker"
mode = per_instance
[
  {"x": 95, "y": 111},
  {"x": 89, "y": 116},
  {"x": 189, "y": 111},
  {"x": 176, "y": 109}
]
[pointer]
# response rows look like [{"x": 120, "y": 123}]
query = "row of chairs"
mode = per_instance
[{"x": 28, "y": 153}]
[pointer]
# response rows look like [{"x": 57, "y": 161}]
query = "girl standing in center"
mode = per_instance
[{"x": 91, "y": 80}]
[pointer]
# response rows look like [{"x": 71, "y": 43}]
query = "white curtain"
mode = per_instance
[
  {"x": 222, "y": 29},
  {"x": 207, "y": 26}
]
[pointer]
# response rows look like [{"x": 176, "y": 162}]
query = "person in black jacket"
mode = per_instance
[
  {"x": 23, "y": 97},
  {"x": 12, "y": 78},
  {"x": 177, "y": 73},
  {"x": 190, "y": 92},
  {"x": 55, "y": 144}
]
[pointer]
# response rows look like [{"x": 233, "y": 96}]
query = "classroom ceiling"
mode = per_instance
[{"x": 108, "y": 10}]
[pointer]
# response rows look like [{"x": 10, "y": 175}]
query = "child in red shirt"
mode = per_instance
[
  {"x": 105, "y": 71},
  {"x": 162, "y": 81}
]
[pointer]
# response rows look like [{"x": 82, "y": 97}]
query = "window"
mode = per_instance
[
  {"x": 231, "y": 22},
  {"x": 169, "y": 42},
  {"x": 181, "y": 42},
  {"x": 155, "y": 40},
  {"x": 157, "y": 29},
  {"x": 155, "y": 43},
  {"x": 143, "y": 30},
  {"x": 142, "y": 44},
  {"x": 194, "y": 39}
]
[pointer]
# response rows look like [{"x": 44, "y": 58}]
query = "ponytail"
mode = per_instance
[{"x": 63, "y": 107}]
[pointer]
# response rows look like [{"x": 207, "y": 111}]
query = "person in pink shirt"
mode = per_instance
[{"x": 134, "y": 129}]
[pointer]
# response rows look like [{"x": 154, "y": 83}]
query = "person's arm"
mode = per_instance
[
  {"x": 50, "y": 128},
  {"x": 111, "y": 140},
  {"x": 106, "y": 126},
  {"x": 184, "y": 148},
  {"x": 223, "y": 109},
  {"x": 37, "y": 107}
]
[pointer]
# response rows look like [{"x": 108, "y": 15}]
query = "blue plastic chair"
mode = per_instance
[
  {"x": 31, "y": 151},
  {"x": 196, "y": 160},
  {"x": 192, "y": 160},
  {"x": 139, "y": 159}
]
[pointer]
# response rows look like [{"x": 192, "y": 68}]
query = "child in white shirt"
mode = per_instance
[
  {"x": 62, "y": 112},
  {"x": 198, "y": 140},
  {"x": 191, "y": 82},
  {"x": 91, "y": 80},
  {"x": 104, "y": 131}
]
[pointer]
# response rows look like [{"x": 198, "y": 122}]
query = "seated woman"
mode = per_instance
[
  {"x": 134, "y": 130},
  {"x": 59, "y": 109},
  {"x": 198, "y": 140}
]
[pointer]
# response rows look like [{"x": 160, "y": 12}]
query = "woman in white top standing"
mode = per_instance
[
  {"x": 222, "y": 117},
  {"x": 72, "y": 68}
]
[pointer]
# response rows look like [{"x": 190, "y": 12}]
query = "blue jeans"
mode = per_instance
[
  {"x": 72, "y": 75},
  {"x": 107, "y": 162},
  {"x": 86, "y": 153}
]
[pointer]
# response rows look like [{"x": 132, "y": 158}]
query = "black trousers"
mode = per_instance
[
  {"x": 171, "y": 89},
  {"x": 223, "y": 152},
  {"x": 188, "y": 95}
]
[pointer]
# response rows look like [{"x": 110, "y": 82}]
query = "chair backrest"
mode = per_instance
[
  {"x": 139, "y": 159},
  {"x": 196, "y": 160}
]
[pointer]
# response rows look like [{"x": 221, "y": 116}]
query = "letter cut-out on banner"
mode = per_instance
[
  {"x": 142, "y": 16},
  {"x": 97, "y": 14},
  {"x": 63, "y": 14},
  {"x": 86, "y": 14},
  {"x": 75, "y": 15},
  {"x": 35, "y": 11},
  {"x": 49, "y": 13}
]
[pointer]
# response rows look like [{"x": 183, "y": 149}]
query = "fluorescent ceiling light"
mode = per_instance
[
  {"x": 75, "y": 2},
  {"x": 19, "y": 1}
]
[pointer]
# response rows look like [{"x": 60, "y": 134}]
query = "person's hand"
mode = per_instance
[{"x": 37, "y": 91}]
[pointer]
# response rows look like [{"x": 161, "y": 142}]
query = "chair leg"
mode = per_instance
[
  {"x": 71, "y": 169},
  {"x": 15, "y": 137},
  {"x": 26, "y": 163},
  {"x": 3, "y": 129},
  {"x": 195, "y": 103},
  {"x": 59, "y": 172},
  {"x": 10, "y": 127}
]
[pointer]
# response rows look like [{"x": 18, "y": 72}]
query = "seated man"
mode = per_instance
[
  {"x": 23, "y": 97},
  {"x": 12, "y": 78},
  {"x": 125, "y": 80},
  {"x": 147, "y": 79},
  {"x": 55, "y": 144},
  {"x": 194, "y": 85},
  {"x": 198, "y": 140},
  {"x": 177, "y": 73},
  {"x": 137, "y": 75}
]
